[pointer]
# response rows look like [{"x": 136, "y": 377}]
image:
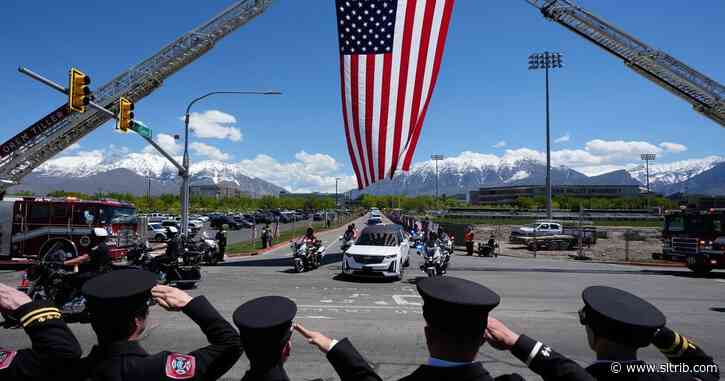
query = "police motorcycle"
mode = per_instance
[
  {"x": 206, "y": 246},
  {"x": 307, "y": 255},
  {"x": 347, "y": 240},
  {"x": 416, "y": 238},
  {"x": 487, "y": 249},
  {"x": 178, "y": 266},
  {"x": 49, "y": 280},
  {"x": 434, "y": 258}
]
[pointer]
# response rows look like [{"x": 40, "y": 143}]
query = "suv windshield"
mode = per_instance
[{"x": 377, "y": 239}]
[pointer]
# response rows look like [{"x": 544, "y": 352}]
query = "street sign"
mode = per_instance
[{"x": 141, "y": 129}]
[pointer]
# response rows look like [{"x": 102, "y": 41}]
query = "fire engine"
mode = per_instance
[
  {"x": 695, "y": 236},
  {"x": 32, "y": 227}
]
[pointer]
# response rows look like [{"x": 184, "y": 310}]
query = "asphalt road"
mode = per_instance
[{"x": 540, "y": 297}]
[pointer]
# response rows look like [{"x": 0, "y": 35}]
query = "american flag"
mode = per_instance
[{"x": 390, "y": 56}]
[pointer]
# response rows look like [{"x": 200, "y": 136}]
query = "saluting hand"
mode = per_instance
[
  {"x": 315, "y": 338},
  {"x": 11, "y": 299},
  {"x": 170, "y": 298},
  {"x": 499, "y": 335}
]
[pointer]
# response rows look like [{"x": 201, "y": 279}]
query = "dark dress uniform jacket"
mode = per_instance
[
  {"x": 53, "y": 346},
  {"x": 128, "y": 361},
  {"x": 273, "y": 374},
  {"x": 678, "y": 349},
  {"x": 351, "y": 366}
]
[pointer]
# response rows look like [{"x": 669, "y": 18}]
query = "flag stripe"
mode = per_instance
[
  {"x": 343, "y": 91},
  {"x": 393, "y": 143},
  {"x": 354, "y": 89},
  {"x": 421, "y": 60},
  {"x": 403, "y": 81},
  {"x": 369, "y": 91},
  {"x": 383, "y": 157},
  {"x": 440, "y": 46},
  {"x": 355, "y": 138}
]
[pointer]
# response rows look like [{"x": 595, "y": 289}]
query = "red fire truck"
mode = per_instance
[
  {"x": 696, "y": 236},
  {"x": 32, "y": 227}
]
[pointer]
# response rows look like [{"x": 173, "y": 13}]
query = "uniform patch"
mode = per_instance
[
  {"x": 6, "y": 358},
  {"x": 180, "y": 367}
]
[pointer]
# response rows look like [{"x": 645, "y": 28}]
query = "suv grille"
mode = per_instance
[{"x": 368, "y": 259}]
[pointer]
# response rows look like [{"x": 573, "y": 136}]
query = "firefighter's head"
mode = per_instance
[{"x": 118, "y": 303}]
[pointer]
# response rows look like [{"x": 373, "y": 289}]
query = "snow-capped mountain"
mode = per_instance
[
  {"x": 94, "y": 171},
  {"x": 471, "y": 171},
  {"x": 664, "y": 177}
]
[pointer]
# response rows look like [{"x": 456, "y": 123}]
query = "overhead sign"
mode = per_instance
[{"x": 34, "y": 130}]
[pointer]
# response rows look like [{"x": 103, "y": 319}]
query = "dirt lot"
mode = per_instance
[{"x": 612, "y": 248}]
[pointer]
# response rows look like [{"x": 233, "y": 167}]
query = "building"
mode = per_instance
[
  {"x": 220, "y": 190},
  {"x": 511, "y": 194}
]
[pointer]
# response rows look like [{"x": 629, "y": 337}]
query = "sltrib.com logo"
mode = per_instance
[{"x": 617, "y": 367}]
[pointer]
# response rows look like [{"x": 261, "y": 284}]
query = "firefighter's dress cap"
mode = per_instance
[
  {"x": 620, "y": 316},
  {"x": 456, "y": 305},
  {"x": 119, "y": 289}
]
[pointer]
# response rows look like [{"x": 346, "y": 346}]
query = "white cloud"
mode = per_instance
[
  {"x": 500, "y": 144},
  {"x": 209, "y": 151},
  {"x": 214, "y": 124},
  {"x": 307, "y": 173},
  {"x": 167, "y": 142},
  {"x": 673, "y": 147},
  {"x": 563, "y": 139},
  {"x": 620, "y": 149}
]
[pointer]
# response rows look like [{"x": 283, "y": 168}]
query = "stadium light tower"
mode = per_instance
[
  {"x": 647, "y": 157},
  {"x": 546, "y": 61},
  {"x": 436, "y": 158}
]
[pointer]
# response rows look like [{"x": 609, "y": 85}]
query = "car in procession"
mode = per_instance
[{"x": 380, "y": 251}]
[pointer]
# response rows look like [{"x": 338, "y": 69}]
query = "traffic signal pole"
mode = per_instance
[{"x": 141, "y": 129}]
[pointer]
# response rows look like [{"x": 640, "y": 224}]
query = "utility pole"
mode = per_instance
[
  {"x": 436, "y": 159},
  {"x": 647, "y": 157},
  {"x": 546, "y": 61}
]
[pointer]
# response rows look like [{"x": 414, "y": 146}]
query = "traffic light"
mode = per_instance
[
  {"x": 78, "y": 91},
  {"x": 125, "y": 114}
]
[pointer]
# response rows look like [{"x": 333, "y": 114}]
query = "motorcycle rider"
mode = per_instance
[
  {"x": 350, "y": 233},
  {"x": 221, "y": 240},
  {"x": 96, "y": 262}
]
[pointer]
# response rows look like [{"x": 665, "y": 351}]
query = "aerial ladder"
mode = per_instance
[
  {"x": 704, "y": 94},
  {"x": 61, "y": 128}
]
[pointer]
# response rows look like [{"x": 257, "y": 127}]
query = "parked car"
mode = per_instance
[
  {"x": 538, "y": 229},
  {"x": 379, "y": 251},
  {"x": 156, "y": 232},
  {"x": 219, "y": 221}
]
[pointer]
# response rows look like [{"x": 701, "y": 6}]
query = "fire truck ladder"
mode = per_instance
[
  {"x": 704, "y": 94},
  {"x": 134, "y": 83}
]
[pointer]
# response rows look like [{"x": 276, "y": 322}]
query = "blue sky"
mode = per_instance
[{"x": 484, "y": 95}]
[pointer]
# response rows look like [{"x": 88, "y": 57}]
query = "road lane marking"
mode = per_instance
[
  {"x": 401, "y": 300},
  {"x": 314, "y": 317}
]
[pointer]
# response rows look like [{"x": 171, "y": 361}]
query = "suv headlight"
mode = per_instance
[{"x": 391, "y": 256}]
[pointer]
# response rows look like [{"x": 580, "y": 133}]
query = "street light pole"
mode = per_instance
[
  {"x": 185, "y": 174},
  {"x": 337, "y": 204},
  {"x": 546, "y": 61},
  {"x": 436, "y": 158}
]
